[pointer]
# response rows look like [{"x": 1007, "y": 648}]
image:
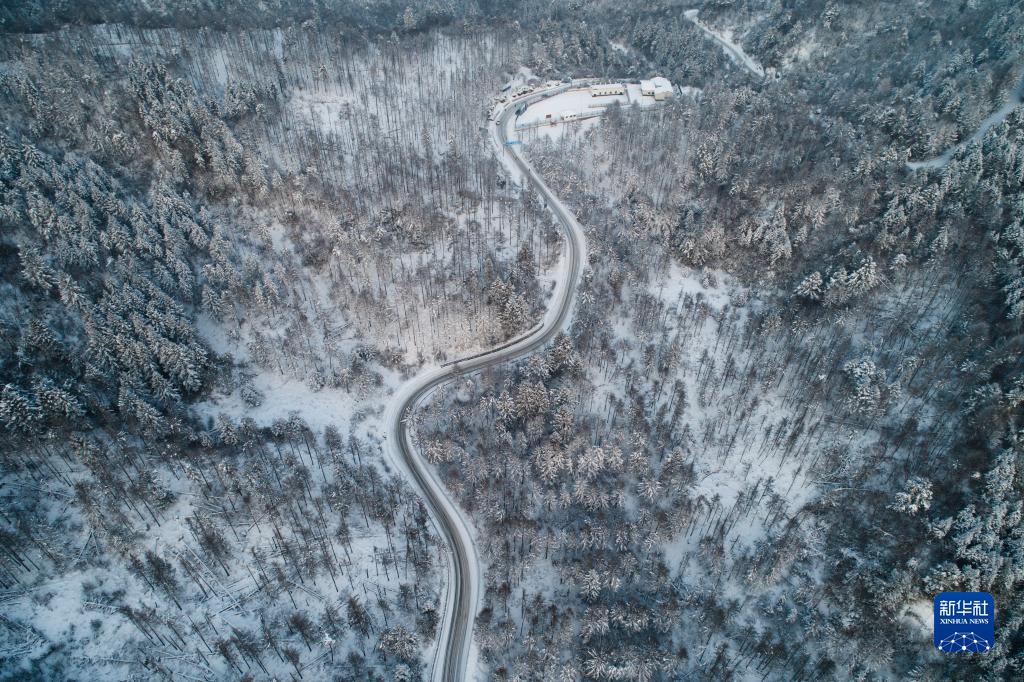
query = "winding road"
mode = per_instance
[
  {"x": 451, "y": 657},
  {"x": 464, "y": 576}
]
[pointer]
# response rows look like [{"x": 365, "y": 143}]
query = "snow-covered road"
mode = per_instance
[
  {"x": 725, "y": 40},
  {"x": 452, "y": 656},
  {"x": 993, "y": 119}
]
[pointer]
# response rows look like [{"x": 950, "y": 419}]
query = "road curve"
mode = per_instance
[
  {"x": 463, "y": 588},
  {"x": 734, "y": 51}
]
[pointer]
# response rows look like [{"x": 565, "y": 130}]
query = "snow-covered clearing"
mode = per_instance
[
  {"x": 691, "y": 92},
  {"x": 803, "y": 51},
  {"x": 326, "y": 407},
  {"x": 546, "y": 116},
  {"x": 919, "y": 615},
  {"x": 577, "y": 100},
  {"x": 715, "y": 287}
]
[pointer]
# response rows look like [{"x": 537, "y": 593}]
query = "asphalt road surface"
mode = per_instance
[{"x": 463, "y": 589}]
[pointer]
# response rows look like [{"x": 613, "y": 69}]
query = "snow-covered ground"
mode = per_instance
[
  {"x": 713, "y": 286},
  {"x": 722, "y": 475},
  {"x": 803, "y": 51},
  {"x": 319, "y": 409},
  {"x": 548, "y": 114},
  {"x": 577, "y": 100}
]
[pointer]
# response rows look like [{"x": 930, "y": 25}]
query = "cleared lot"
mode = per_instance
[{"x": 578, "y": 101}]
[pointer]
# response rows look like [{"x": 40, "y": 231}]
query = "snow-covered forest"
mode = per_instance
[
  {"x": 782, "y": 415},
  {"x": 223, "y": 255}
]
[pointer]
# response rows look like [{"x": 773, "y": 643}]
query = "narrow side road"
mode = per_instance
[
  {"x": 734, "y": 51},
  {"x": 992, "y": 120},
  {"x": 463, "y": 588}
]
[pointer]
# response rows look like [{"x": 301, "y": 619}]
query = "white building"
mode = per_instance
[
  {"x": 607, "y": 89},
  {"x": 658, "y": 87},
  {"x": 569, "y": 115}
]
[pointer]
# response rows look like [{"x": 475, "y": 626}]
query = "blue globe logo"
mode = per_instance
[{"x": 964, "y": 642}]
